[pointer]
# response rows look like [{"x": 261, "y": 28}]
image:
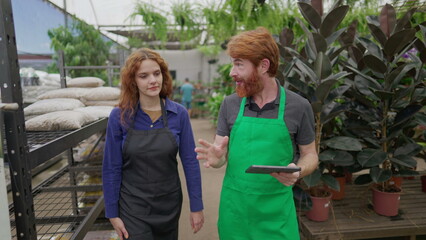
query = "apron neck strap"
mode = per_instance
[
  {"x": 281, "y": 108},
  {"x": 163, "y": 114}
]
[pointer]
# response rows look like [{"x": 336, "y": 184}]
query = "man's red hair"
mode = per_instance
[{"x": 256, "y": 45}]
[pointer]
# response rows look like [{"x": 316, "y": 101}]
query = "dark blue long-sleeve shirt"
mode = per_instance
[{"x": 179, "y": 125}]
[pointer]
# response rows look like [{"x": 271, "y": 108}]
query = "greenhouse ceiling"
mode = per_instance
[{"x": 112, "y": 17}]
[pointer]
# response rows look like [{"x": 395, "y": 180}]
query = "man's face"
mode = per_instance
[{"x": 246, "y": 77}]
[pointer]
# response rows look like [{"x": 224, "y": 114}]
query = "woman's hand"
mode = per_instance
[
  {"x": 287, "y": 179},
  {"x": 214, "y": 154},
  {"x": 197, "y": 220},
  {"x": 119, "y": 228}
]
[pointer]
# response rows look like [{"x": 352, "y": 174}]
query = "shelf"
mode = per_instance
[{"x": 46, "y": 145}]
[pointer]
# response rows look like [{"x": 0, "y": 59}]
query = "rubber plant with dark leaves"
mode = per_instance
[
  {"x": 313, "y": 72},
  {"x": 388, "y": 94}
]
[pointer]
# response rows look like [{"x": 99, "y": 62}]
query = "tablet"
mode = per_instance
[{"x": 271, "y": 169}]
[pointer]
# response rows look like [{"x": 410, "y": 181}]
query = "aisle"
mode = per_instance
[{"x": 212, "y": 184}]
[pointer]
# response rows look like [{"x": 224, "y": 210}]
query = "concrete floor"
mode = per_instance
[{"x": 212, "y": 184}]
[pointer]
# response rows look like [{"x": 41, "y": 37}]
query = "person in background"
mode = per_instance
[
  {"x": 187, "y": 90},
  {"x": 261, "y": 124},
  {"x": 141, "y": 184}
]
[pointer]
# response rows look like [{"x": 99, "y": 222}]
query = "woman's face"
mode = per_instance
[{"x": 149, "y": 78}]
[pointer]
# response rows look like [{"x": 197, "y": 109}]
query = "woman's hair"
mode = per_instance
[
  {"x": 129, "y": 96},
  {"x": 254, "y": 46}
]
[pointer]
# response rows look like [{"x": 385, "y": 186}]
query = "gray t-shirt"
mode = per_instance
[{"x": 298, "y": 116}]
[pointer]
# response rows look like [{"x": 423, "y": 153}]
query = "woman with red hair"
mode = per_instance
[{"x": 141, "y": 184}]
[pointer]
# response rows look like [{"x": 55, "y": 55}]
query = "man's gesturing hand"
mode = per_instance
[{"x": 213, "y": 153}]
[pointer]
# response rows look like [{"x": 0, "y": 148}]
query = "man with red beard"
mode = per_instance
[{"x": 264, "y": 124}]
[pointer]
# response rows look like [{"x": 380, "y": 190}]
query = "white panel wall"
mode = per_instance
[{"x": 192, "y": 64}]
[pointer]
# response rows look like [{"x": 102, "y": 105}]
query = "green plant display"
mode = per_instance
[
  {"x": 388, "y": 94},
  {"x": 315, "y": 73},
  {"x": 222, "y": 87},
  {"x": 83, "y": 46}
]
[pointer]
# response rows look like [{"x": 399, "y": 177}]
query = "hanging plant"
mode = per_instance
[
  {"x": 155, "y": 22},
  {"x": 187, "y": 27}
]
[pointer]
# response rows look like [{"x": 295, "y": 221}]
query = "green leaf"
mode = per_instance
[
  {"x": 406, "y": 113},
  {"x": 394, "y": 78},
  {"x": 337, "y": 92},
  {"x": 404, "y": 160},
  {"x": 333, "y": 19},
  {"x": 375, "y": 64},
  {"x": 378, "y": 34},
  {"x": 337, "y": 158},
  {"x": 365, "y": 78},
  {"x": 298, "y": 84},
  {"x": 344, "y": 143},
  {"x": 320, "y": 43},
  {"x": 355, "y": 54},
  {"x": 410, "y": 149},
  {"x": 384, "y": 95},
  {"x": 335, "y": 35},
  {"x": 310, "y": 14},
  {"x": 379, "y": 175},
  {"x": 312, "y": 179},
  {"x": 371, "y": 157},
  {"x": 363, "y": 179},
  {"x": 322, "y": 66},
  {"x": 306, "y": 70},
  {"x": 404, "y": 20},
  {"x": 398, "y": 41},
  {"x": 371, "y": 47},
  {"x": 330, "y": 181},
  {"x": 387, "y": 19},
  {"x": 286, "y": 37},
  {"x": 349, "y": 36},
  {"x": 362, "y": 85},
  {"x": 323, "y": 90}
]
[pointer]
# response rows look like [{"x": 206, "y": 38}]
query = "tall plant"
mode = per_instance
[
  {"x": 315, "y": 73},
  {"x": 388, "y": 95}
]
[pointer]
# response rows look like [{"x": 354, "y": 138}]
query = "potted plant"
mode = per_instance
[
  {"x": 388, "y": 93},
  {"x": 314, "y": 73}
]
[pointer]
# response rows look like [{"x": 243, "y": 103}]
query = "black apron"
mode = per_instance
[{"x": 150, "y": 196}]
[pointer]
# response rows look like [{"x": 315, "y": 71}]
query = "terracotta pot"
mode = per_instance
[
  {"x": 397, "y": 181},
  {"x": 423, "y": 179},
  {"x": 339, "y": 195},
  {"x": 386, "y": 203},
  {"x": 348, "y": 176},
  {"x": 320, "y": 208}
]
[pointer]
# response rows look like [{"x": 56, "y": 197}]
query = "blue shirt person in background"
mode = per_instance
[
  {"x": 141, "y": 185},
  {"x": 186, "y": 90}
]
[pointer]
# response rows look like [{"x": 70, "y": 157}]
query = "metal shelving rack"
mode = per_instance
[{"x": 51, "y": 210}]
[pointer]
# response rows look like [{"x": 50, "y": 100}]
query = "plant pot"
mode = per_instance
[
  {"x": 338, "y": 195},
  {"x": 320, "y": 208},
  {"x": 386, "y": 203},
  {"x": 397, "y": 181},
  {"x": 348, "y": 176},
  {"x": 423, "y": 179}
]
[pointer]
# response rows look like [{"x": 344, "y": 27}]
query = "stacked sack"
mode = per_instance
[{"x": 84, "y": 101}]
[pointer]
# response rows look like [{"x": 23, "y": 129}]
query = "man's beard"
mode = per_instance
[{"x": 250, "y": 86}]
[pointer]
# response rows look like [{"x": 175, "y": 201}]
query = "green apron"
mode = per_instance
[{"x": 257, "y": 206}]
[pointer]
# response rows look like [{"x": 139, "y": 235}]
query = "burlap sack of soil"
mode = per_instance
[
  {"x": 60, "y": 120},
  {"x": 85, "y": 82},
  {"x": 96, "y": 111},
  {"x": 75, "y": 93},
  {"x": 51, "y": 105}
]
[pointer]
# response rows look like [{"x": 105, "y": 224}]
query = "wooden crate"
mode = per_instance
[{"x": 354, "y": 218}]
